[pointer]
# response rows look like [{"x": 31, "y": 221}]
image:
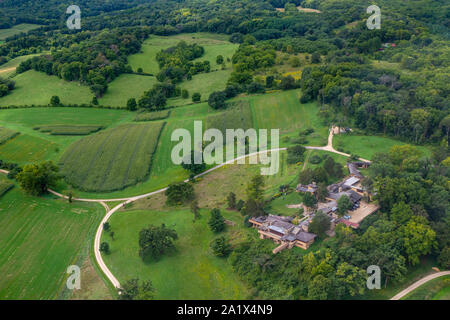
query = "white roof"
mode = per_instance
[{"x": 351, "y": 181}]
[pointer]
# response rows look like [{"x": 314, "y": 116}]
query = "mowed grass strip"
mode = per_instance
[
  {"x": 40, "y": 238},
  {"x": 5, "y": 186},
  {"x": 7, "y": 134},
  {"x": 69, "y": 130},
  {"x": 152, "y": 116},
  {"x": 113, "y": 159}
]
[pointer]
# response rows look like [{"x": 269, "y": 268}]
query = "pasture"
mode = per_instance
[
  {"x": 33, "y": 87},
  {"x": 125, "y": 87},
  {"x": 209, "y": 277},
  {"x": 367, "y": 146},
  {"x": 6, "y": 134},
  {"x": 40, "y": 238},
  {"x": 17, "y": 29},
  {"x": 112, "y": 159}
]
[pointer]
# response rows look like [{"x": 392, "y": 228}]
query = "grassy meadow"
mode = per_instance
[
  {"x": 40, "y": 238},
  {"x": 9, "y": 69},
  {"x": 125, "y": 87},
  {"x": 6, "y": 134},
  {"x": 209, "y": 277},
  {"x": 367, "y": 146},
  {"x": 33, "y": 87}
]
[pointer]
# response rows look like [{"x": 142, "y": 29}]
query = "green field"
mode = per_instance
[
  {"x": 124, "y": 87},
  {"x": 214, "y": 44},
  {"x": 205, "y": 84},
  {"x": 5, "y": 186},
  {"x": 25, "y": 149},
  {"x": 6, "y": 134},
  {"x": 8, "y": 69},
  {"x": 436, "y": 289},
  {"x": 152, "y": 116},
  {"x": 283, "y": 111},
  {"x": 112, "y": 159},
  {"x": 40, "y": 238},
  {"x": 192, "y": 272},
  {"x": 23, "y": 27},
  {"x": 24, "y": 120},
  {"x": 367, "y": 146},
  {"x": 33, "y": 87}
]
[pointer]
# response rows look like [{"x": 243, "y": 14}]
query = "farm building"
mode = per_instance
[
  {"x": 281, "y": 230},
  {"x": 312, "y": 188}
]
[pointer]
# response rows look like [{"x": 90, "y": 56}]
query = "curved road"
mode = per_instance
[
  {"x": 417, "y": 284},
  {"x": 125, "y": 201}
]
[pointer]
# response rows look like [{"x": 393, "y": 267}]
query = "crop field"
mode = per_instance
[
  {"x": 6, "y": 134},
  {"x": 112, "y": 159},
  {"x": 209, "y": 277},
  {"x": 5, "y": 186},
  {"x": 40, "y": 238},
  {"x": 367, "y": 146},
  {"x": 23, "y": 27},
  {"x": 37, "y": 88},
  {"x": 26, "y": 148},
  {"x": 152, "y": 116},
  {"x": 125, "y": 87},
  {"x": 68, "y": 130}
]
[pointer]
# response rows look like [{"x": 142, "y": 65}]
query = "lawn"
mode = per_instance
[
  {"x": 33, "y": 87},
  {"x": 17, "y": 29},
  {"x": 112, "y": 159},
  {"x": 367, "y": 146},
  {"x": 40, "y": 238},
  {"x": 124, "y": 87},
  {"x": 436, "y": 289},
  {"x": 192, "y": 272}
]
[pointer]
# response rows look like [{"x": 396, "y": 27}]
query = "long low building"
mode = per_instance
[{"x": 281, "y": 230}]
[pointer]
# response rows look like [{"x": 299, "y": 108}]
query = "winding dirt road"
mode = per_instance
[
  {"x": 124, "y": 201},
  {"x": 417, "y": 284}
]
